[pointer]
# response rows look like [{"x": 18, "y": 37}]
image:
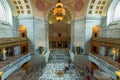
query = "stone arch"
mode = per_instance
[
  {"x": 67, "y": 7},
  {"x": 110, "y": 11},
  {"x": 96, "y": 31},
  {"x": 22, "y": 31},
  {"x": 6, "y": 13}
]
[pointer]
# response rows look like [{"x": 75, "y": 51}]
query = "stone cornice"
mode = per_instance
[
  {"x": 80, "y": 19},
  {"x": 29, "y": 17},
  {"x": 94, "y": 18},
  {"x": 89, "y": 18},
  {"x": 109, "y": 42},
  {"x": 7, "y": 42}
]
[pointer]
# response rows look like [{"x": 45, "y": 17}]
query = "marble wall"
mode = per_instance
[
  {"x": 5, "y": 30},
  {"x": 83, "y": 31},
  {"x": 79, "y": 32},
  {"x": 15, "y": 26},
  {"x": 36, "y": 32},
  {"x": 39, "y": 26},
  {"x": 91, "y": 21},
  {"x": 28, "y": 22},
  {"x": 102, "y": 50},
  {"x": 112, "y": 30}
]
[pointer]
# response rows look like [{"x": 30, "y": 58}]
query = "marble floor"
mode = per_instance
[{"x": 57, "y": 62}]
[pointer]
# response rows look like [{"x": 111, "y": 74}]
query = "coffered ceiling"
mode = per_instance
[{"x": 41, "y": 8}]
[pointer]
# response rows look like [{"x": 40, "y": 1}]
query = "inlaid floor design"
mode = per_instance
[{"x": 57, "y": 62}]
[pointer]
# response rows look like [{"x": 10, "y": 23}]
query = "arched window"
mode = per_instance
[
  {"x": 3, "y": 15},
  {"x": 113, "y": 13},
  {"x": 5, "y": 12},
  {"x": 116, "y": 12}
]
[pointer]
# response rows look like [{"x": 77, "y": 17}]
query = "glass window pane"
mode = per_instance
[
  {"x": 3, "y": 16},
  {"x": 116, "y": 14}
]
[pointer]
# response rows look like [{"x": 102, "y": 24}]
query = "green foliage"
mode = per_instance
[{"x": 79, "y": 50}]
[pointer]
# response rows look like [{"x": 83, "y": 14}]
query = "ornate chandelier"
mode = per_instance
[
  {"x": 59, "y": 18},
  {"x": 59, "y": 11}
]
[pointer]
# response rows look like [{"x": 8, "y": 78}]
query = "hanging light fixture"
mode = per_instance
[
  {"x": 59, "y": 11},
  {"x": 59, "y": 18}
]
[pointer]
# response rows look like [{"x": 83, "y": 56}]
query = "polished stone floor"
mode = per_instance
[{"x": 57, "y": 62}]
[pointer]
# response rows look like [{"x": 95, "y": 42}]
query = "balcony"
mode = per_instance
[
  {"x": 9, "y": 60},
  {"x": 107, "y": 40},
  {"x": 7, "y": 42},
  {"x": 13, "y": 66},
  {"x": 110, "y": 42},
  {"x": 13, "y": 39},
  {"x": 106, "y": 64}
]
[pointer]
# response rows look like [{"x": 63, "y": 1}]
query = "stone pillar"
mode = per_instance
[
  {"x": 16, "y": 50},
  {"x": 102, "y": 50}
]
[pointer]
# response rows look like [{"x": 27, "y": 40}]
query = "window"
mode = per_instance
[
  {"x": 5, "y": 12},
  {"x": 3, "y": 15},
  {"x": 116, "y": 13}
]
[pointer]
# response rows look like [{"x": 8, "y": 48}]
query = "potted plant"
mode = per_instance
[
  {"x": 79, "y": 50},
  {"x": 41, "y": 49}
]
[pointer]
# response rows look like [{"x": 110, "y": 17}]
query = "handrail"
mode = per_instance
[
  {"x": 9, "y": 69},
  {"x": 107, "y": 62}
]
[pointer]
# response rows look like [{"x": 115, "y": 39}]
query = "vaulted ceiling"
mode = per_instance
[{"x": 42, "y": 8}]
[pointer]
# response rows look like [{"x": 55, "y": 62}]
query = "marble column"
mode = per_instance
[
  {"x": 102, "y": 50},
  {"x": 16, "y": 50}
]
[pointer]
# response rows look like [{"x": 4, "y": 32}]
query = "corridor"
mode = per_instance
[{"x": 57, "y": 62}]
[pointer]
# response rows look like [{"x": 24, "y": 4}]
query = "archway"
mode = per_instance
[
  {"x": 22, "y": 31},
  {"x": 59, "y": 31},
  {"x": 96, "y": 31}
]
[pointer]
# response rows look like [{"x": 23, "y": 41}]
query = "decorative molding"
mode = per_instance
[
  {"x": 80, "y": 18},
  {"x": 7, "y": 42},
  {"x": 109, "y": 42},
  {"x": 26, "y": 17},
  {"x": 94, "y": 18}
]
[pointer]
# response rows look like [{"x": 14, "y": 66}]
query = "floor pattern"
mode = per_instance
[{"x": 57, "y": 62}]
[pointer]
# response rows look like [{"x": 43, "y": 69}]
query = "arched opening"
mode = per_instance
[
  {"x": 96, "y": 32},
  {"x": 113, "y": 12},
  {"x": 59, "y": 35},
  {"x": 4, "y": 11},
  {"x": 59, "y": 31},
  {"x": 22, "y": 31}
]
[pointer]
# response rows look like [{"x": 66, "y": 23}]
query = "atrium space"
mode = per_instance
[{"x": 59, "y": 39}]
